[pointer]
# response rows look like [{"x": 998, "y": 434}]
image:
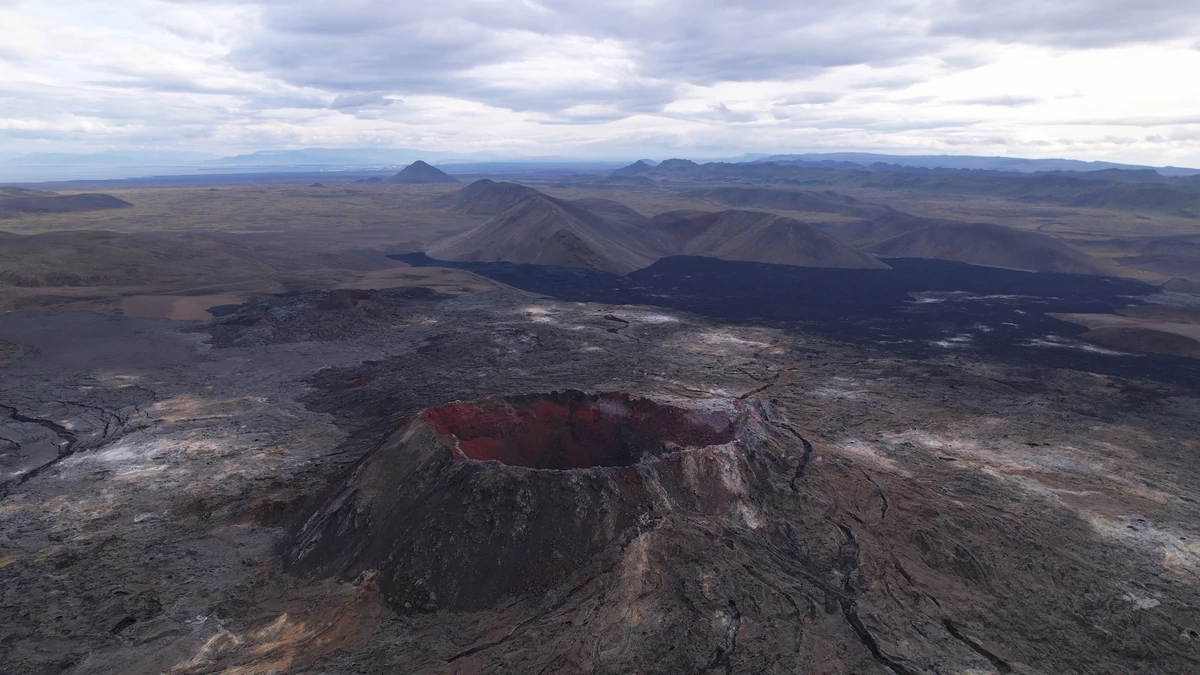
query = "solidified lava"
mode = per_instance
[
  {"x": 573, "y": 430},
  {"x": 469, "y": 503}
]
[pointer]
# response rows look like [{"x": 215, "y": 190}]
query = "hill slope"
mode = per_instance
[
  {"x": 16, "y": 201},
  {"x": 790, "y": 200},
  {"x": 420, "y": 173},
  {"x": 987, "y": 244},
  {"x": 763, "y": 237},
  {"x": 487, "y": 197},
  {"x": 542, "y": 230},
  {"x": 865, "y": 233}
]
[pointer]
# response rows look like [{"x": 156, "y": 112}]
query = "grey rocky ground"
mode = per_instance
[{"x": 946, "y": 516}]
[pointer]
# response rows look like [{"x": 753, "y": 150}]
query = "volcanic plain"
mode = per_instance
[{"x": 265, "y": 428}]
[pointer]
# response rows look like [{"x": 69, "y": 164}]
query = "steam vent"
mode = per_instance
[{"x": 470, "y": 503}]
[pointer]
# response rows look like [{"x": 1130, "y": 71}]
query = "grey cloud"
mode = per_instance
[
  {"x": 964, "y": 61},
  {"x": 1070, "y": 23},
  {"x": 975, "y": 141},
  {"x": 725, "y": 114},
  {"x": 378, "y": 45},
  {"x": 8, "y": 53},
  {"x": 1118, "y": 140},
  {"x": 40, "y": 134},
  {"x": 365, "y": 99},
  {"x": 373, "y": 45},
  {"x": 570, "y": 117},
  {"x": 171, "y": 85},
  {"x": 1174, "y": 120},
  {"x": 811, "y": 98},
  {"x": 1004, "y": 101},
  {"x": 629, "y": 97},
  {"x": 894, "y": 82},
  {"x": 329, "y": 63},
  {"x": 357, "y": 47},
  {"x": 872, "y": 124}
]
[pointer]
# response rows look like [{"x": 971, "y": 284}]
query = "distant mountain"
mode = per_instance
[
  {"x": 1178, "y": 197},
  {"x": 676, "y": 166},
  {"x": 638, "y": 167},
  {"x": 1120, "y": 175},
  {"x": 761, "y": 237},
  {"x": 420, "y": 173},
  {"x": 542, "y": 230},
  {"x": 1013, "y": 164},
  {"x": 790, "y": 200},
  {"x": 487, "y": 197}
]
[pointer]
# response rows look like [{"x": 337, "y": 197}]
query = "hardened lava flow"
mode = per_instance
[{"x": 471, "y": 502}]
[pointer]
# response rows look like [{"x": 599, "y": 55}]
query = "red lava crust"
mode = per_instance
[{"x": 572, "y": 430}]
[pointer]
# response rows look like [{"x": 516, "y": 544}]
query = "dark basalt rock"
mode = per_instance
[{"x": 468, "y": 503}]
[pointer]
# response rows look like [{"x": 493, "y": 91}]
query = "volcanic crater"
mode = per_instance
[
  {"x": 468, "y": 503},
  {"x": 573, "y": 430}
]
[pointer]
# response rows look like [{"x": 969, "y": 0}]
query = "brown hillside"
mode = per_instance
[
  {"x": 790, "y": 200},
  {"x": 764, "y": 237},
  {"x": 865, "y": 233},
  {"x": 1145, "y": 340},
  {"x": 487, "y": 197},
  {"x": 545, "y": 231},
  {"x": 987, "y": 244},
  {"x": 14, "y": 202}
]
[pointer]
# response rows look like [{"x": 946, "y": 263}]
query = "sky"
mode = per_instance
[{"x": 1115, "y": 80}]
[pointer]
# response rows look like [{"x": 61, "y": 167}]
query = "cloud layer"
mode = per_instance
[{"x": 623, "y": 78}]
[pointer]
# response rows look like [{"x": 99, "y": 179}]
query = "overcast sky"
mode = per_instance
[{"x": 1088, "y": 79}]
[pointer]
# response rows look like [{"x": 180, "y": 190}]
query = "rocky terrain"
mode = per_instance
[{"x": 192, "y": 497}]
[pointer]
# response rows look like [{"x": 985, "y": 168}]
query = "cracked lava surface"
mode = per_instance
[{"x": 252, "y": 495}]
